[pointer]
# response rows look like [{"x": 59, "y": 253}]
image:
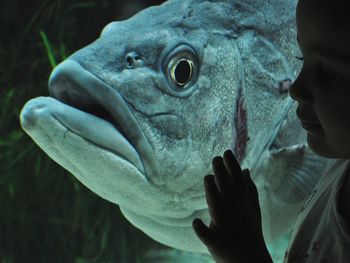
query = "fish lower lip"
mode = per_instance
[{"x": 309, "y": 126}]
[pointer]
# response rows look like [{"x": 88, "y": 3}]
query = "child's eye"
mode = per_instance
[
  {"x": 331, "y": 76},
  {"x": 299, "y": 58}
]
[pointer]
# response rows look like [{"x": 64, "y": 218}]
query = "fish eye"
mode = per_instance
[{"x": 181, "y": 67}]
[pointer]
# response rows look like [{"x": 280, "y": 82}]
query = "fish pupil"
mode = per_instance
[{"x": 183, "y": 72}]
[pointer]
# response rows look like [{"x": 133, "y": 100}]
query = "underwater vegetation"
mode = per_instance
[{"x": 46, "y": 215}]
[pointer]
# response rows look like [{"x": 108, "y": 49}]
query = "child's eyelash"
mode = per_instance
[{"x": 297, "y": 57}]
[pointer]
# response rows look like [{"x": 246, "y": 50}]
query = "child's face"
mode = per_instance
[{"x": 322, "y": 88}]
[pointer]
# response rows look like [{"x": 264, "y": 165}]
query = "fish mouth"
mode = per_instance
[{"x": 72, "y": 85}]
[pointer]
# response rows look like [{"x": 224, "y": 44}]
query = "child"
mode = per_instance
[{"x": 322, "y": 90}]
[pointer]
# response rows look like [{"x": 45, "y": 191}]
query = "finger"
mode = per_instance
[
  {"x": 223, "y": 179},
  {"x": 215, "y": 201},
  {"x": 252, "y": 191},
  {"x": 204, "y": 233},
  {"x": 235, "y": 172}
]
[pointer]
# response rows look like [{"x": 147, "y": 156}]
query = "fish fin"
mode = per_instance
[
  {"x": 289, "y": 174},
  {"x": 301, "y": 171}
]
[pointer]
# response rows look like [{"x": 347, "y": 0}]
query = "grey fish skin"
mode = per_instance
[{"x": 121, "y": 123}]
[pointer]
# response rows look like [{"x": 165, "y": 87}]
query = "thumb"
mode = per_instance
[{"x": 204, "y": 233}]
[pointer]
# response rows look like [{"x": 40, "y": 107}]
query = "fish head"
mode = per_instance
[{"x": 130, "y": 111}]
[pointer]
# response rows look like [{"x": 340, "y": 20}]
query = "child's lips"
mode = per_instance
[
  {"x": 310, "y": 126},
  {"x": 307, "y": 124}
]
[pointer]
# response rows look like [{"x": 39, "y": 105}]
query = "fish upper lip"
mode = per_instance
[{"x": 86, "y": 84}]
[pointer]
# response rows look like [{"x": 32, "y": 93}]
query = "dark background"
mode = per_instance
[{"x": 46, "y": 215}]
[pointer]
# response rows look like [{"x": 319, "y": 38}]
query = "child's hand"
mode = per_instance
[{"x": 234, "y": 234}]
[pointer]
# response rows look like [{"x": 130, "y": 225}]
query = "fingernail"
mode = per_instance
[
  {"x": 208, "y": 176},
  {"x": 216, "y": 159},
  {"x": 228, "y": 152},
  {"x": 247, "y": 173}
]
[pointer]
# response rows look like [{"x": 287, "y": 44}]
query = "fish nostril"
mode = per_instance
[
  {"x": 133, "y": 60},
  {"x": 129, "y": 61}
]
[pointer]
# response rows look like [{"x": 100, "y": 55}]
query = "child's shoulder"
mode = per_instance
[{"x": 344, "y": 196}]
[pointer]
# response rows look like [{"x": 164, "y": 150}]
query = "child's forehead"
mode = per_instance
[
  {"x": 323, "y": 11},
  {"x": 321, "y": 18},
  {"x": 323, "y": 28}
]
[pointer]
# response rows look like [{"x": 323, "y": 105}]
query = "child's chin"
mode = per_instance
[{"x": 320, "y": 146}]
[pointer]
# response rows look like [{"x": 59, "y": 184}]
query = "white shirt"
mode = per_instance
[{"x": 320, "y": 234}]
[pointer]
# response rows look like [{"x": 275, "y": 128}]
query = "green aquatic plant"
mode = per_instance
[{"x": 49, "y": 50}]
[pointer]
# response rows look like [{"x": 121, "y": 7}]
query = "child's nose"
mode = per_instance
[
  {"x": 293, "y": 92},
  {"x": 299, "y": 91}
]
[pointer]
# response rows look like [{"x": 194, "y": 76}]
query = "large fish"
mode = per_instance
[{"x": 138, "y": 115}]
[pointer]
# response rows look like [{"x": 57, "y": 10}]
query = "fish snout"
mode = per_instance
[{"x": 71, "y": 84}]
